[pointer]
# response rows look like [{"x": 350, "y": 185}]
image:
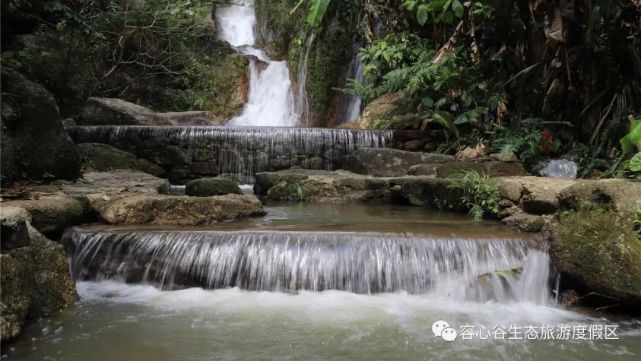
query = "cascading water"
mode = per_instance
[
  {"x": 302, "y": 100},
  {"x": 240, "y": 151},
  {"x": 316, "y": 261},
  {"x": 270, "y": 101},
  {"x": 351, "y": 107}
]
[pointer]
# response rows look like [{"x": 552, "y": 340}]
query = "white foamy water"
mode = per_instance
[
  {"x": 115, "y": 321},
  {"x": 270, "y": 101}
]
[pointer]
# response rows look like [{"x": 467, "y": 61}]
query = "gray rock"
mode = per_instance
[
  {"x": 13, "y": 227},
  {"x": 179, "y": 210},
  {"x": 388, "y": 162},
  {"x": 34, "y": 143},
  {"x": 206, "y": 187},
  {"x": 525, "y": 222},
  {"x": 35, "y": 282},
  {"x": 490, "y": 169},
  {"x": 103, "y": 157},
  {"x": 112, "y": 111}
]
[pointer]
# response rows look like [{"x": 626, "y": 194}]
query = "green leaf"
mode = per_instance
[
  {"x": 317, "y": 12},
  {"x": 458, "y": 8},
  {"x": 635, "y": 163},
  {"x": 428, "y": 102},
  {"x": 421, "y": 14}
]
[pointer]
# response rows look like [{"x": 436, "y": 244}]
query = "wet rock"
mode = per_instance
[
  {"x": 204, "y": 168},
  {"x": 490, "y": 169},
  {"x": 179, "y": 210},
  {"x": 51, "y": 215},
  {"x": 112, "y": 111},
  {"x": 102, "y": 157},
  {"x": 388, "y": 162},
  {"x": 169, "y": 155},
  {"x": 206, "y": 187},
  {"x": 35, "y": 277},
  {"x": 525, "y": 222},
  {"x": 34, "y": 143}
]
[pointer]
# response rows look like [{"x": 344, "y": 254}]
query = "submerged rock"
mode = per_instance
[
  {"x": 34, "y": 143},
  {"x": 35, "y": 276},
  {"x": 103, "y": 157},
  {"x": 179, "y": 210},
  {"x": 205, "y": 187}
]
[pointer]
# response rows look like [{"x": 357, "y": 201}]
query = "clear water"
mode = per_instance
[{"x": 118, "y": 321}]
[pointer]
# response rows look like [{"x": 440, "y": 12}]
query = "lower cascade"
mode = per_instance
[{"x": 501, "y": 270}]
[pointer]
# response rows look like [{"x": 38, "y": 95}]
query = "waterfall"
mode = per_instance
[
  {"x": 238, "y": 151},
  {"x": 270, "y": 101},
  {"x": 351, "y": 107},
  {"x": 316, "y": 261},
  {"x": 302, "y": 100}
]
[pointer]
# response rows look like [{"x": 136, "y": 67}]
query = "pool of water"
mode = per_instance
[{"x": 118, "y": 321}]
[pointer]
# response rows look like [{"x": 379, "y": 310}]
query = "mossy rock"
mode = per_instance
[
  {"x": 206, "y": 187},
  {"x": 103, "y": 157},
  {"x": 598, "y": 251}
]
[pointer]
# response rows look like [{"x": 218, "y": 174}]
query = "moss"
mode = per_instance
[
  {"x": 292, "y": 191},
  {"x": 206, "y": 187},
  {"x": 599, "y": 250}
]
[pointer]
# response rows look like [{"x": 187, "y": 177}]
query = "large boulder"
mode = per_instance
[
  {"x": 384, "y": 107},
  {"x": 52, "y": 214},
  {"x": 112, "y": 111},
  {"x": 35, "y": 276},
  {"x": 594, "y": 245},
  {"x": 389, "y": 162},
  {"x": 320, "y": 186},
  {"x": 206, "y": 187},
  {"x": 34, "y": 143},
  {"x": 536, "y": 195},
  {"x": 103, "y": 157},
  {"x": 179, "y": 210}
]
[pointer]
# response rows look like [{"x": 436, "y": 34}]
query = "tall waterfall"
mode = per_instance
[
  {"x": 270, "y": 101},
  {"x": 290, "y": 261},
  {"x": 302, "y": 100},
  {"x": 351, "y": 109}
]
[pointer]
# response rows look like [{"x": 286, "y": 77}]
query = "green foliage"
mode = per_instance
[
  {"x": 478, "y": 194},
  {"x": 444, "y": 11},
  {"x": 637, "y": 221},
  {"x": 522, "y": 138},
  {"x": 632, "y": 141},
  {"x": 317, "y": 12},
  {"x": 154, "y": 51}
]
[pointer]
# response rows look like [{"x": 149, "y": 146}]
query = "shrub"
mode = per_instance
[{"x": 478, "y": 194}]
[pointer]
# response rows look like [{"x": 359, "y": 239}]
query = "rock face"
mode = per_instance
[
  {"x": 206, "y": 187},
  {"x": 35, "y": 145},
  {"x": 35, "y": 277},
  {"x": 179, "y": 210},
  {"x": 388, "y": 162},
  {"x": 111, "y": 111},
  {"x": 102, "y": 157}
]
